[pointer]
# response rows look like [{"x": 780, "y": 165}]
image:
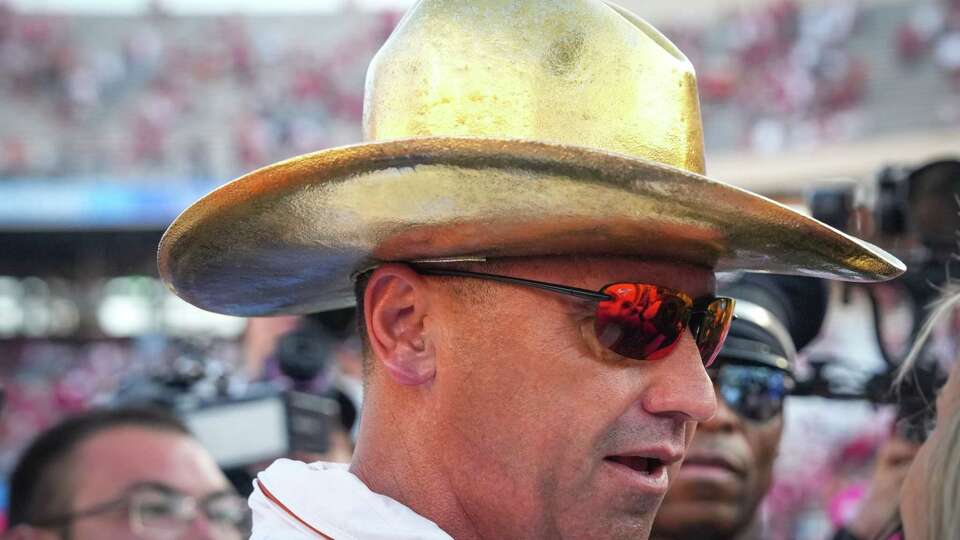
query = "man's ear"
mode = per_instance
[{"x": 395, "y": 304}]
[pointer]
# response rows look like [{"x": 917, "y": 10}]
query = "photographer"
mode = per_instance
[
  {"x": 122, "y": 473},
  {"x": 915, "y": 212},
  {"x": 927, "y": 476}
]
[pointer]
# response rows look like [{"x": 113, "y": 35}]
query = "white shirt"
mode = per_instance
[{"x": 296, "y": 501}]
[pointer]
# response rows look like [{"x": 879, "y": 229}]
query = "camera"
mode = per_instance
[
  {"x": 913, "y": 212},
  {"x": 243, "y": 423}
]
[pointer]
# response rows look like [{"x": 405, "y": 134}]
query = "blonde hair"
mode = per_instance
[
  {"x": 941, "y": 310},
  {"x": 943, "y": 467}
]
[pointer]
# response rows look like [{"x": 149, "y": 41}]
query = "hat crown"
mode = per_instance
[{"x": 577, "y": 72}]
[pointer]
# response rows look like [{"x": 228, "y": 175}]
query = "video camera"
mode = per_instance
[
  {"x": 244, "y": 423},
  {"x": 914, "y": 213}
]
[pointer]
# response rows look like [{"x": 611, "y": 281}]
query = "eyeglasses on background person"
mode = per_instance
[{"x": 158, "y": 512}]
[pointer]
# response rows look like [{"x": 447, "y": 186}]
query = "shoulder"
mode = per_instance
[
  {"x": 272, "y": 519},
  {"x": 325, "y": 500}
]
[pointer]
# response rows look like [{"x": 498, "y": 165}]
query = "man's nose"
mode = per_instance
[
  {"x": 679, "y": 385},
  {"x": 201, "y": 529}
]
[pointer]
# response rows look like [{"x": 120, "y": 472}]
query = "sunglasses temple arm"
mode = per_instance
[{"x": 552, "y": 287}]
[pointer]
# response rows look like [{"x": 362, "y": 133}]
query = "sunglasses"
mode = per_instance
[
  {"x": 638, "y": 320},
  {"x": 754, "y": 392}
]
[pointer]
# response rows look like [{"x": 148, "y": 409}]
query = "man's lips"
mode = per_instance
[{"x": 645, "y": 468}]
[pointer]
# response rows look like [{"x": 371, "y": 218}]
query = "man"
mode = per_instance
[
  {"x": 124, "y": 473},
  {"x": 729, "y": 467},
  {"x": 532, "y": 245}
]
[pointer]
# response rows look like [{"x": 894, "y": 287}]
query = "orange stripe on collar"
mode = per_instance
[{"x": 283, "y": 507}]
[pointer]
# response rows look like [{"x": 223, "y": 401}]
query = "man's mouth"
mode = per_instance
[
  {"x": 644, "y": 465},
  {"x": 644, "y": 470}
]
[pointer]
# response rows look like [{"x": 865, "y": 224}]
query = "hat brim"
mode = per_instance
[{"x": 289, "y": 238}]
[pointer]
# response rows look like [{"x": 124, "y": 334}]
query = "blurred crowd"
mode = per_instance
[
  {"x": 86, "y": 96},
  {"x": 933, "y": 31},
  {"x": 780, "y": 66},
  {"x": 791, "y": 75}
]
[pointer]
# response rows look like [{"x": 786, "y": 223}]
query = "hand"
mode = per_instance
[{"x": 880, "y": 505}]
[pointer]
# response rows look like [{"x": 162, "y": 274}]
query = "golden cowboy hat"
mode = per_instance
[{"x": 498, "y": 128}]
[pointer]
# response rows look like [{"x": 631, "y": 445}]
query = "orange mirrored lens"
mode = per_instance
[
  {"x": 641, "y": 321},
  {"x": 645, "y": 322}
]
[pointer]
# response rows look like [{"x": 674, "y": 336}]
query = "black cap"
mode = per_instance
[{"x": 776, "y": 317}]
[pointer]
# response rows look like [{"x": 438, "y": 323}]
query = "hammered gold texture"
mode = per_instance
[
  {"x": 577, "y": 73},
  {"x": 287, "y": 238}
]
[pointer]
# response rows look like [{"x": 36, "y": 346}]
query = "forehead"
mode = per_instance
[
  {"x": 595, "y": 272},
  {"x": 108, "y": 463}
]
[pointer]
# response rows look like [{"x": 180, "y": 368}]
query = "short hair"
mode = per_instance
[
  {"x": 359, "y": 291},
  {"x": 37, "y": 491}
]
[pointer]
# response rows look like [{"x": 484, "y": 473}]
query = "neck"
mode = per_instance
[{"x": 396, "y": 456}]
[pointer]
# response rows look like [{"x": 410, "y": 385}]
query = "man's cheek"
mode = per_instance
[{"x": 689, "y": 431}]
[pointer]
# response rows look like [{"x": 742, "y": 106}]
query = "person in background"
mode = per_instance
[
  {"x": 729, "y": 467},
  {"x": 130, "y": 473},
  {"x": 927, "y": 476},
  {"x": 876, "y": 515},
  {"x": 930, "y": 496}
]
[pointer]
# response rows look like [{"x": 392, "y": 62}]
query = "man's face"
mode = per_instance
[
  {"x": 104, "y": 467},
  {"x": 541, "y": 427},
  {"x": 725, "y": 475}
]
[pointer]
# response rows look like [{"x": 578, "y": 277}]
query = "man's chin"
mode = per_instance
[
  {"x": 625, "y": 527},
  {"x": 615, "y": 525}
]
